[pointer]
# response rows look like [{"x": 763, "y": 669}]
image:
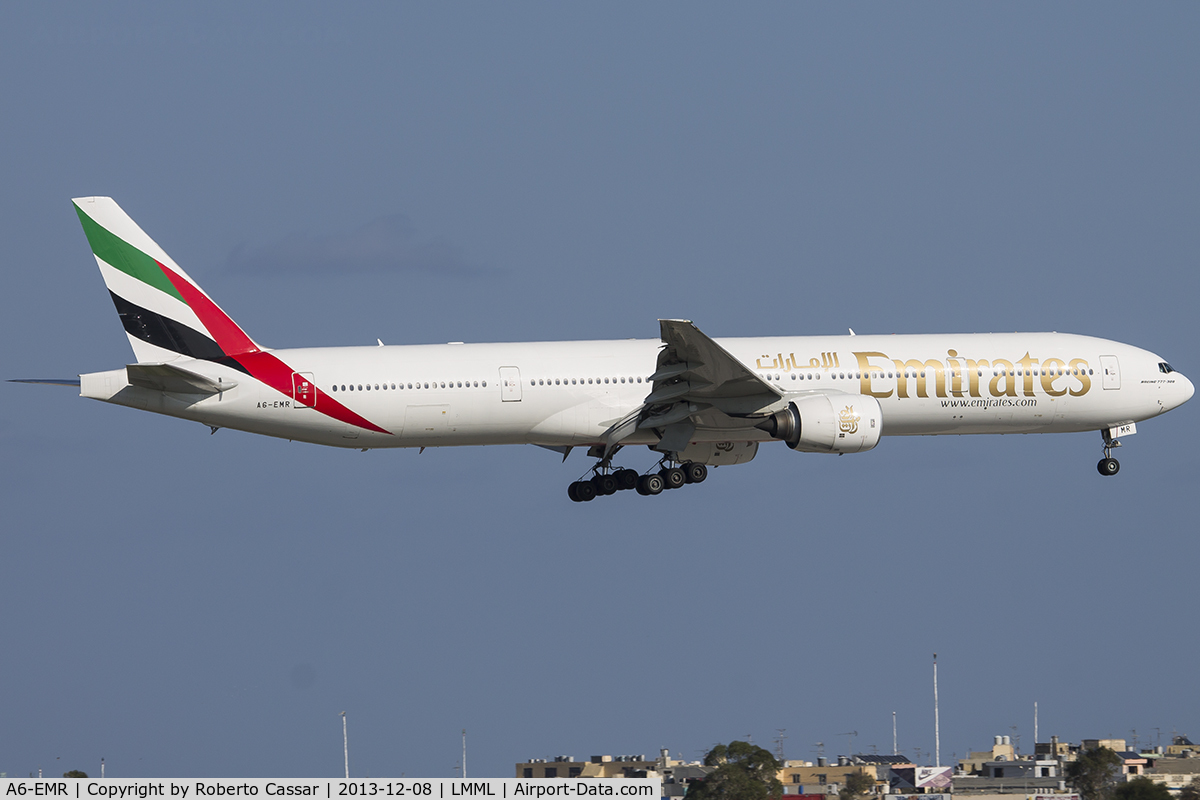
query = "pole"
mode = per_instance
[
  {"x": 101, "y": 767},
  {"x": 1035, "y": 732},
  {"x": 937, "y": 733},
  {"x": 895, "y": 751},
  {"x": 464, "y": 769},
  {"x": 345, "y": 746}
]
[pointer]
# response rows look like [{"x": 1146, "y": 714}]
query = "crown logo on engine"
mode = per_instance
[{"x": 848, "y": 420}]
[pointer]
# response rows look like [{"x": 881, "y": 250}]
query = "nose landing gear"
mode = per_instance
[{"x": 1109, "y": 465}]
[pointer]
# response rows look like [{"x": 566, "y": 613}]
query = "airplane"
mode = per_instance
[{"x": 692, "y": 400}]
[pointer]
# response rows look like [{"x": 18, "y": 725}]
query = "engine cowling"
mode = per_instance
[{"x": 821, "y": 423}]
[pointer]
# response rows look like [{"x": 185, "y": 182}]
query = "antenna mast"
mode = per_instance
[
  {"x": 937, "y": 732},
  {"x": 345, "y": 746}
]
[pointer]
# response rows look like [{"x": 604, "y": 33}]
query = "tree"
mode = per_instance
[
  {"x": 743, "y": 772},
  {"x": 1094, "y": 773},
  {"x": 1142, "y": 788},
  {"x": 75, "y": 773},
  {"x": 860, "y": 783},
  {"x": 1191, "y": 791}
]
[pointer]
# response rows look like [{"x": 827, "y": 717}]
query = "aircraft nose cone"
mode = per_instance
[{"x": 1188, "y": 390}]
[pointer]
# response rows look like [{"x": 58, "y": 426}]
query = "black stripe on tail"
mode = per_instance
[{"x": 165, "y": 333}]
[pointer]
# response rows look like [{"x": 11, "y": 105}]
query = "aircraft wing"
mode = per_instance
[
  {"x": 166, "y": 377},
  {"x": 695, "y": 382},
  {"x": 690, "y": 358}
]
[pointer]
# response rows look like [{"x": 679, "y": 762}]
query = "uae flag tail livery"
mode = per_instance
[
  {"x": 165, "y": 313},
  {"x": 170, "y": 319}
]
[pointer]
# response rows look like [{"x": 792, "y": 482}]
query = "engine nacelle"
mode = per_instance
[{"x": 822, "y": 423}]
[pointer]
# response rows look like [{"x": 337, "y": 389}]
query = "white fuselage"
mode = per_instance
[{"x": 569, "y": 393}]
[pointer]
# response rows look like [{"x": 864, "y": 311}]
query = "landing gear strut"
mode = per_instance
[{"x": 1109, "y": 465}]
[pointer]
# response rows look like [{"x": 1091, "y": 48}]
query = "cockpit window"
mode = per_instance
[{"x": 1165, "y": 367}]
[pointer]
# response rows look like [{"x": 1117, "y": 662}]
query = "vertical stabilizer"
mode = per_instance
[{"x": 165, "y": 314}]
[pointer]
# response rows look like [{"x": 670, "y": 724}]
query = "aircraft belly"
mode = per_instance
[
  {"x": 718, "y": 435},
  {"x": 582, "y": 422},
  {"x": 267, "y": 419}
]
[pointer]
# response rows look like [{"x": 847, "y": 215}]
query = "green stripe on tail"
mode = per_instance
[{"x": 124, "y": 256}]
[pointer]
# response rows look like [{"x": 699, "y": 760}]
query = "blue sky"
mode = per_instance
[{"x": 191, "y": 605}]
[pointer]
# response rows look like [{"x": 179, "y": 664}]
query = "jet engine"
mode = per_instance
[{"x": 821, "y": 423}]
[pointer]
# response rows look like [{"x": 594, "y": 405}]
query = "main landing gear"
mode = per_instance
[
  {"x": 602, "y": 483},
  {"x": 1109, "y": 465},
  {"x": 606, "y": 481}
]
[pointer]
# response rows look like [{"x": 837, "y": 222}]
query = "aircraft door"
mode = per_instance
[
  {"x": 510, "y": 384},
  {"x": 1111, "y": 372},
  {"x": 304, "y": 393}
]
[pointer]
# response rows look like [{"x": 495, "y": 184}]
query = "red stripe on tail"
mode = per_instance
[
  {"x": 265, "y": 367},
  {"x": 228, "y": 336}
]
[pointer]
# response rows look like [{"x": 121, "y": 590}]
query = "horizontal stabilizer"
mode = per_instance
[
  {"x": 172, "y": 378},
  {"x": 48, "y": 381}
]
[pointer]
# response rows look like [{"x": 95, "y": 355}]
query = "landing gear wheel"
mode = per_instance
[
  {"x": 571, "y": 492},
  {"x": 650, "y": 484},
  {"x": 1108, "y": 465},
  {"x": 673, "y": 477},
  {"x": 605, "y": 484},
  {"x": 585, "y": 491},
  {"x": 695, "y": 473},
  {"x": 626, "y": 479}
]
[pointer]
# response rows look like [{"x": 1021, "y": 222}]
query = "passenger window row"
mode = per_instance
[
  {"x": 401, "y": 386},
  {"x": 380, "y": 387},
  {"x": 949, "y": 373},
  {"x": 801, "y": 376},
  {"x": 581, "y": 381}
]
